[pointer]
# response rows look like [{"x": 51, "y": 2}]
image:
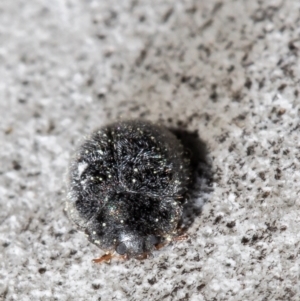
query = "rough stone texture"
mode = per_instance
[{"x": 228, "y": 69}]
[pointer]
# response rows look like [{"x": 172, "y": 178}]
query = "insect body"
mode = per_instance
[{"x": 127, "y": 185}]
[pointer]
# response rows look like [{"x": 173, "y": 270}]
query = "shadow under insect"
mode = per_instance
[{"x": 201, "y": 185}]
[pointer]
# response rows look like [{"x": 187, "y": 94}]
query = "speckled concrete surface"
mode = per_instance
[{"x": 228, "y": 69}]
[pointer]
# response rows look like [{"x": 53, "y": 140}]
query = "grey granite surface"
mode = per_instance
[{"x": 227, "y": 69}]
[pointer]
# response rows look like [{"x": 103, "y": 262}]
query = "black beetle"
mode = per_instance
[{"x": 127, "y": 186}]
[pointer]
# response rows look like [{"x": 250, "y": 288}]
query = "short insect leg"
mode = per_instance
[
  {"x": 181, "y": 237},
  {"x": 105, "y": 258},
  {"x": 162, "y": 244},
  {"x": 166, "y": 242},
  {"x": 143, "y": 256}
]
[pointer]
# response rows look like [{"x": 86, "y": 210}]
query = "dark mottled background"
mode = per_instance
[{"x": 227, "y": 69}]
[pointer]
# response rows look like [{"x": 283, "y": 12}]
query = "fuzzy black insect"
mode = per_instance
[{"x": 127, "y": 186}]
